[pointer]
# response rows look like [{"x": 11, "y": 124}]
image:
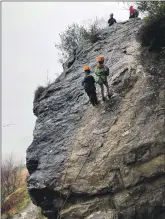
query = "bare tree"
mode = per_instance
[{"x": 9, "y": 173}]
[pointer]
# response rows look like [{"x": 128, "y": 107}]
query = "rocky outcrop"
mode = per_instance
[{"x": 108, "y": 161}]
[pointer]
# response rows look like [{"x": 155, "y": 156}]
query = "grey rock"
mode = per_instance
[{"x": 106, "y": 161}]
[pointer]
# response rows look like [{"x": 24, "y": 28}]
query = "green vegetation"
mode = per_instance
[
  {"x": 152, "y": 33},
  {"x": 9, "y": 174},
  {"x": 15, "y": 202},
  {"x": 14, "y": 194},
  {"x": 76, "y": 34}
]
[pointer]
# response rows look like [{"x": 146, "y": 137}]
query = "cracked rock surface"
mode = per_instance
[{"x": 105, "y": 162}]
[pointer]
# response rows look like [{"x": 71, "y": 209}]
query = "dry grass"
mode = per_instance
[
  {"x": 19, "y": 199},
  {"x": 15, "y": 202}
]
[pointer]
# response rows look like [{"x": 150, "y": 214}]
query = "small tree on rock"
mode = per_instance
[
  {"x": 70, "y": 39},
  {"x": 76, "y": 34}
]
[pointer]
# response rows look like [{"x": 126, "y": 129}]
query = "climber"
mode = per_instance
[
  {"x": 133, "y": 12},
  {"x": 102, "y": 72},
  {"x": 89, "y": 86},
  {"x": 111, "y": 20}
]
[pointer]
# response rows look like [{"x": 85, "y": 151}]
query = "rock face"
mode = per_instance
[{"x": 105, "y": 162}]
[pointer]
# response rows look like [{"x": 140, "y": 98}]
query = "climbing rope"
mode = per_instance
[
  {"x": 59, "y": 215},
  {"x": 65, "y": 176},
  {"x": 68, "y": 194}
]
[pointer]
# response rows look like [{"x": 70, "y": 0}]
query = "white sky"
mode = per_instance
[{"x": 29, "y": 31}]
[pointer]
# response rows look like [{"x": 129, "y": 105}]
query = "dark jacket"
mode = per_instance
[
  {"x": 89, "y": 83},
  {"x": 111, "y": 21}
]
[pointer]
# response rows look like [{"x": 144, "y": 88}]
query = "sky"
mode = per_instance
[{"x": 29, "y": 57}]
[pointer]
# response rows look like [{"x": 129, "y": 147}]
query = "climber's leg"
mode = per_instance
[
  {"x": 92, "y": 100},
  {"x": 132, "y": 16},
  {"x": 95, "y": 97},
  {"x": 90, "y": 95},
  {"x": 108, "y": 92},
  {"x": 137, "y": 14},
  {"x": 102, "y": 91}
]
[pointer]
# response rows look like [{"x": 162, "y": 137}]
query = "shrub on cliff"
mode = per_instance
[
  {"x": 38, "y": 92},
  {"x": 76, "y": 34},
  {"x": 152, "y": 33},
  {"x": 92, "y": 31},
  {"x": 70, "y": 39}
]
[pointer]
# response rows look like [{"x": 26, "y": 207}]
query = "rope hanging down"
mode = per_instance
[
  {"x": 59, "y": 212},
  {"x": 74, "y": 182},
  {"x": 65, "y": 177},
  {"x": 68, "y": 194}
]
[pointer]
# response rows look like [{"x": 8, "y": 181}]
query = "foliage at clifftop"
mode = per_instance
[
  {"x": 76, "y": 34},
  {"x": 152, "y": 33}
]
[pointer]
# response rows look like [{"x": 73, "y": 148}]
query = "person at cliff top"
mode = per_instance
[
  {"x": 89, "y": 86},
  {"x": 111, "y": 20},
  {"x": 133, "y": 12},
  {"x": 102, "y": 72}
]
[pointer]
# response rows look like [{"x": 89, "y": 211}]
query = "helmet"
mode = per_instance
[
  {"x": 111, "y": 15},
  {"x": 100, "y": 58},
  {"x": 86, "y": 68}
]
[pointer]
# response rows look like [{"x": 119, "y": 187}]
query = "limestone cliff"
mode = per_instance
[{"x": 105, "y": 162}]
